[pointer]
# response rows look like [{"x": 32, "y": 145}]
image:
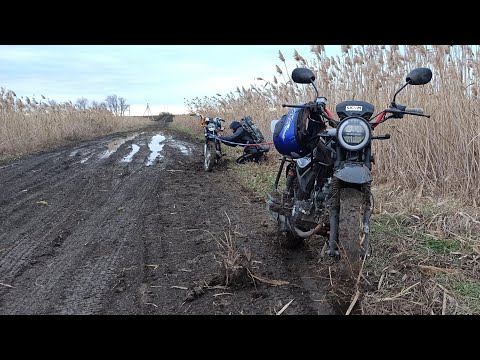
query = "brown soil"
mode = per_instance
[{"x": 83, "y": 232}]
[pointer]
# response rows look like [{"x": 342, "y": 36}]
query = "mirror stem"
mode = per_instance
[
  {"x": 316, "y": 90},
  {"x": 394, "y": 96}
]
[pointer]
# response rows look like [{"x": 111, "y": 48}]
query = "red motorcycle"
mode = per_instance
[{"x": 212, "y": 150}]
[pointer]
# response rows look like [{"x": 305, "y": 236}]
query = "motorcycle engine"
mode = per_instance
[
  {"x": 302, "y": 207},
  {"x": 301, "y": 210},
  {"x": 322, "y": 195}
]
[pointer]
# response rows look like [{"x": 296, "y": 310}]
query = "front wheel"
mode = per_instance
[
  {"x": 209, "y": 155},
  {"x": 351, "y": 229}
]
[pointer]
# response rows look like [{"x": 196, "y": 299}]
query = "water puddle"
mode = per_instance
[
  {"x": 114, "y": 145},
  {"x": 155, "y": 147},
  {"x": 129, "y": 157},
  {"x": 185, "y": 150},
  {"x": 156, "y": 144}
]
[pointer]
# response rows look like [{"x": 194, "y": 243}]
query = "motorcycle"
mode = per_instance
[
  {"x": 328, "y": 175},
  {"x": 212, "y": 150}
]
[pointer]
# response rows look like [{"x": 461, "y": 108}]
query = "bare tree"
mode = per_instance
[
  {"x": 117, "y": 105},
  {"x": 81, "y": 103},
  {"x": 113, "y": 104},
  {"x": 98, "y": 106},
  {"x": 123, "y": 106}
]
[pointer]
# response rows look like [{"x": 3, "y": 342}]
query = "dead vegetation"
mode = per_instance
[
  {"x": 236, "y": 267},
  {"x": 426, "y": 257},
  {"x": 426, "y": 247}
]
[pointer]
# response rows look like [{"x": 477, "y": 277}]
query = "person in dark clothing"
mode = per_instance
[{"x": 241, "y": 136}]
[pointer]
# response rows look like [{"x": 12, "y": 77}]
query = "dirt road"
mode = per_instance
[{"x": 131, "y": 224}]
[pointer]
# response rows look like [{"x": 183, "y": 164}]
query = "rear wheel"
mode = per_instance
[
  {"x": 244, "y": 159},
  {"x": 209, "y": 155},
  {"x": 351, "y": 235}
]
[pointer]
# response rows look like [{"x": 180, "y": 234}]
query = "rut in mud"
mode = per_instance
[{"x": 132, "y": 224}]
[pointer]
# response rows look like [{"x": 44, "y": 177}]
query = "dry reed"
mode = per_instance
[
  {"x": 433, "y": 157},
  {"x": 27, "y": 126}
]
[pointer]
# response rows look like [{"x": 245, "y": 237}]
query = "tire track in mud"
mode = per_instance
[
  {"x": 55, "y": 218},
  {"x": 62, "y": 207},
  {"x": 90, "y": 285},
  {"x": 68, "y": 218},
  {"x": 79, "y": 288},
  {"x": 56, "y": 176},
  {"x": 126, "y": 238},
  {"x": 173, "y": 265}
]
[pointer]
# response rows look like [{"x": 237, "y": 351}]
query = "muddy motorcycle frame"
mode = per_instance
[
  {"x": 328, "y": 191},
  {"x": 212, "y": 150}
]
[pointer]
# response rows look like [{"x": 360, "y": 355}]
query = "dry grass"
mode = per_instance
[
  {"x": 235, "y": 264},
  {"x": 435, "y": 157},
  {"x": 426, "y": 256},
  {"x": 28, "y": 126}
]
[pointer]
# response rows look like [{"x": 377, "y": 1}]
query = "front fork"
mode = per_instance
[
  {"x": 334, "y": 214},
  {"x": 218, "y": 148}
]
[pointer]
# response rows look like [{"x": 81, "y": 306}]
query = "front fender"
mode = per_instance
[{"x": 354, "y": 173}]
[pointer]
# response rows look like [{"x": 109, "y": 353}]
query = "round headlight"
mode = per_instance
[
  {"x": 211, "y": 127},
  {"x": 353, "y": 134}
]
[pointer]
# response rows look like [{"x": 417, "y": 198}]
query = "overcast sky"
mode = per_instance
[{"x": 161, "y": 75}]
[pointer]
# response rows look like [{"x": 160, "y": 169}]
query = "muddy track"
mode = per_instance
[{"x": 130, "y": 224}]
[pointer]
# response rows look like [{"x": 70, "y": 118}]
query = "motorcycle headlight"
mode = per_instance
[
  {"x": 353, "y": 134},
  {"x": 211, "y": 127}
]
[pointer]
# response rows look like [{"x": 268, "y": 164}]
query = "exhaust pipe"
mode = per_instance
[{"x": 306, "y": 234}]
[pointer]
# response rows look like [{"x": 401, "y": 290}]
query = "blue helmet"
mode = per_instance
[{"x": 290, "y": 136}]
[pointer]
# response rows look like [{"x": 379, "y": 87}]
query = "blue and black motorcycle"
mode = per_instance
[{"x": 328, "y": 175}]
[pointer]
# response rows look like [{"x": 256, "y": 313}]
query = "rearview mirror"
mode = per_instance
[
  {"x": 303, "y": 75},
  {"x": 419, "y": 76}
]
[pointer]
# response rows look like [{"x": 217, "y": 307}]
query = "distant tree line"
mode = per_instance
[{"x": 117, "y": 105}]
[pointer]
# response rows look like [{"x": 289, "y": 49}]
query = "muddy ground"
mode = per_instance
[{"x": 132, "y": 224}]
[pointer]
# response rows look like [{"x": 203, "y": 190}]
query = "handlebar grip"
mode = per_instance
[
  {"x": 418, "y": 111},
  {"x": 295, "y": 106}
]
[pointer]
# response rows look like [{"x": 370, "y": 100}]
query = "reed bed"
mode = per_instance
[
  {"x": 27, "y": 125},
  {"x": 434, "y": 157}
]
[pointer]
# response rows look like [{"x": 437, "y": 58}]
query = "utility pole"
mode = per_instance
[{"x": 147, "y": 111}]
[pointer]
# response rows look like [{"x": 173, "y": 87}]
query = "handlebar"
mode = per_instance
[
  {"x": 381, "y": 137},
  {"x": 296, "y": 106},
  {"x": 416, "y": 111},
  {"x": 205, "y": 117},
  {"x": 407, "y": 111}
]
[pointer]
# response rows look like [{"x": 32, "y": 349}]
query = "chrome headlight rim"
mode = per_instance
[
  {"x": 211, "y": 127},
  {"x": 363, "y": 143}
]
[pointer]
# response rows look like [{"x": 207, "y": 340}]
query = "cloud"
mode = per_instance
[{"x": 157, "y": 74}]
